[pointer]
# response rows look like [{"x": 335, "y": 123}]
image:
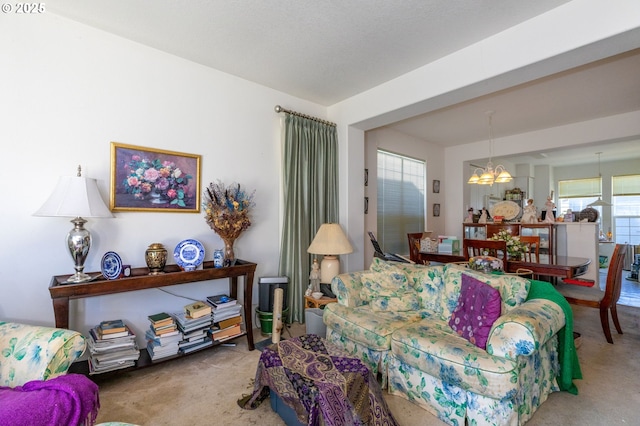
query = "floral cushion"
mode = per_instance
[
  {"x": 387, "y": 283},
  {"x": 407, "y": 301},
  {"x": 478, "y": 308},
  {"x": 36, "y": 353},
  {"x": 428, "y": 282},
  {"x": 364, "y": 325},
  {"x": 347, "y": 288}
]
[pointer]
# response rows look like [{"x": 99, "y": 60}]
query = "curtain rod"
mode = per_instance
[{"x": 279, "y": 109}]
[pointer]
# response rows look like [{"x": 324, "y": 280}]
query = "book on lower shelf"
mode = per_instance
[
  {"x": 224, "y": 333},
  {"x": 197, "y": 309},
  {"x": 160, "y": 319},
  {"x": 111, "y": 326},
  {"x": 108, "y": 352},
  {"x": 219, "y": 300},
  {"x": 162, "y": 336},
  {"x": 229, "y": 321},
  {"x": 220, "y": 314}
]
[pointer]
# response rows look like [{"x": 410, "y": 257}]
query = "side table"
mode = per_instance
[{"x": 310, "y": 302}]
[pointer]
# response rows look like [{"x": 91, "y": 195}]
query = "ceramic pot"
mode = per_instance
[{"x": 156, "y": 258}]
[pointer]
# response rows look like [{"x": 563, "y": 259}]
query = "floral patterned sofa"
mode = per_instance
[
  {"x": 34, "y": 386},
  {"x": 396, "y": 317}
]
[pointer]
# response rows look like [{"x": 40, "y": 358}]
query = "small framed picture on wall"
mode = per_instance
[
  {"x": 436, "y": 210},
  {"x": 436, "y": 186}
]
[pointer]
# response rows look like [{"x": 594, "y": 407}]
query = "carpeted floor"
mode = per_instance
[{"x": 202, "y": 389}]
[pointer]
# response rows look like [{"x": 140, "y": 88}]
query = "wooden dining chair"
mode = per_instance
[
  {"x": 495, "y": 248},
  {"x": 414, "y": 245},
  {"x": 606, "y": 300},
  {"x": 533, "y": 245}
]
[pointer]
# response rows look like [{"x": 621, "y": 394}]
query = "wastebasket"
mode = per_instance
[
  {"x": 265, "y": 319},
  {"x": 313, "y": 320}
]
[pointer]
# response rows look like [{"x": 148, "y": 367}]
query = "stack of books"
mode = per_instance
[
  {"x": 162, "y": 336},
  {"x": 194, "y": 330},
  {"x": 112, "y": 346},
  {"x": 223, "y": 307},
  {"x": 227, "y": 318},
  {"x": 226, "y": 329}
]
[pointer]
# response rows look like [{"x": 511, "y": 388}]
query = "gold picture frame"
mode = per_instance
[{"x": 154, "y": 180}]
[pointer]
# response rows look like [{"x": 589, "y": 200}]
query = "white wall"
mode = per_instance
[
  {"x": 571, "y": 35},
  {"x": 431, "y": 154},
  {"x": 68, "y": 91}
]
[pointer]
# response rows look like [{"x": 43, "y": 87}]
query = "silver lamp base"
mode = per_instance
[{"x": 79, "y": 243}]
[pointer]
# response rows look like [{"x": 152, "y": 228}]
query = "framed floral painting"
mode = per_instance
[{"x": 147, "y": 179}]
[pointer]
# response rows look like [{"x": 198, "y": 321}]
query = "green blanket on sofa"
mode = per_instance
[{"x": 567, "y": 355}]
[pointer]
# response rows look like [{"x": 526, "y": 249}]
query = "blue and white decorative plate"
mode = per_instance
[
  {"x": 189, "y": 254},
  {"x": 111, "y": 265}
]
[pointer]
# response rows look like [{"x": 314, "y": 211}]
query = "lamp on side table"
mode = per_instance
[
  {"x": 330, "y": 241},
  {"x": 77, "y": 197}
]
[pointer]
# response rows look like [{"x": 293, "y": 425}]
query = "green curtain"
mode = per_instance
[{"x": 310, "y": 170}]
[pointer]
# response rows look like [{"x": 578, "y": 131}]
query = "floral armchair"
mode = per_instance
[
  {"x": 30, "y": 352},
  {"x": 34, "y": 387}
]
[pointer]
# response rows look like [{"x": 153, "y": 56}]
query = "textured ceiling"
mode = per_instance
[
  {"x": 327, "y": 51},
  {"x": 322, "y": 51}
]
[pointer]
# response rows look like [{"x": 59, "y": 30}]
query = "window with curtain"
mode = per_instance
[
  {"x": 626, "y": 208},
  {"x": 575, "y": 194},
  {"x": 401, "y": 200}
]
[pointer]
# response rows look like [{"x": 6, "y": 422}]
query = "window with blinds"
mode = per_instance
[
  {"x": 591, "y": 187},
  {"x": 401, "y": 200},
  {"x": 576, "y": 194},
  {"x": 626, "y": 208}
]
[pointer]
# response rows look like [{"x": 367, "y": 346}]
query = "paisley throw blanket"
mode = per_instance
[{"x": 321, "y": 383}]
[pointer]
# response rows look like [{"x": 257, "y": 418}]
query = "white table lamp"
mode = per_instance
[
  {"x": 330, "y": 241},
  {"x": 76, "y": 197}
]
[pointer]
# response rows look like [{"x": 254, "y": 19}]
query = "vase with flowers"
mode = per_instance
[
  {"x": 227, "y": 211},
  {"x": 515, "y": 248}
]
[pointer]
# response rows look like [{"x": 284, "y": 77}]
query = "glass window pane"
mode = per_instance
[
  {"x": 401, "y": 200},
  {"x": 591, "y": 187},
  {"x": 626, "y": 185}
]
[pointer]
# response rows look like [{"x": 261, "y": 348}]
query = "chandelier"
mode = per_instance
[
  {"x": 599, "y": 202},
  {"x": 490, "y": 174}
]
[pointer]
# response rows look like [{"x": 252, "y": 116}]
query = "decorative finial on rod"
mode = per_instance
[{"x": 278, "y": 108}]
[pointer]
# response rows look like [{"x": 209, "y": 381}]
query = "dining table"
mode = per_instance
[{"x": 565, "y": 267}]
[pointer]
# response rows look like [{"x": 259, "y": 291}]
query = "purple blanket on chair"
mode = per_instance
[{"x": 70, "y": 399}]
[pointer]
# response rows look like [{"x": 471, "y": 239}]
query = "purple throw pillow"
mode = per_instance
[{"x": 478, "y": 308}]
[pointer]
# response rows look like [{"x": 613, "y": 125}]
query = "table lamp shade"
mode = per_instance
[
  {"x": 75, "y": 196},
  {"x": 330, "y": 241}
]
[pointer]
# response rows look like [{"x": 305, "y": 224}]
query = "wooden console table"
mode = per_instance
[{"x": 140, "y": 279}]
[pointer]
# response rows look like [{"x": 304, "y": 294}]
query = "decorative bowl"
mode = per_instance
[{"x": 316, "y": 295}]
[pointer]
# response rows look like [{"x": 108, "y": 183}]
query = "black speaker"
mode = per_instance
[{"x": 267, "y": 287}]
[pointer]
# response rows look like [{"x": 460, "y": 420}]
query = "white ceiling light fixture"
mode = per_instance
[
  {"x": 599, "y": 201},
  {"x": 490, "y": 174}
]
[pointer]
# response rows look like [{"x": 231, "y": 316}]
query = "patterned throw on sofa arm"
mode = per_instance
[{"x": 30, "y": 352}]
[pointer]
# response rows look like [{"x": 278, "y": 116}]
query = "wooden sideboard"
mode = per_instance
[
  {"x": 546, "y": 232},
  {"x": 140, "y": 279}
]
